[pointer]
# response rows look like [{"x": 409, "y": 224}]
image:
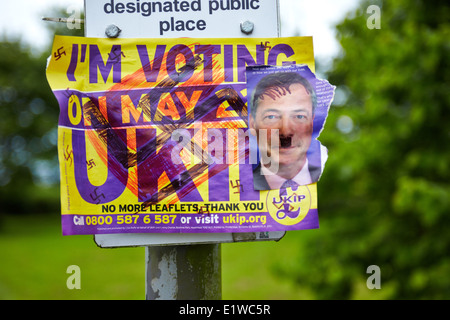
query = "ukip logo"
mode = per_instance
[{"x": 289, "y": 206}]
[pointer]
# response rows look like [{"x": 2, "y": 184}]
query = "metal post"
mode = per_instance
[{"x": 188, "y": 272}]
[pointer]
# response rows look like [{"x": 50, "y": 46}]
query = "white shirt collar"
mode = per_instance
[{"x": 275, "y": 181}]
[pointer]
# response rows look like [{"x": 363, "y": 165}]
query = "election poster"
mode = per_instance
[{"x": 154, "y": 136}]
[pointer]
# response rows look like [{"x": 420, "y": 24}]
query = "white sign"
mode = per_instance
[
  {"x": 173, "y": 19},
  {"x": 183, "y": 18}
]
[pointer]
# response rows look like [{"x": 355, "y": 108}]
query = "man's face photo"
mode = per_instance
[{"x": 291, "y": 113}]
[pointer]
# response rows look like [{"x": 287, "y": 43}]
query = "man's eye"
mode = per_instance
[
  {"x": 299, "y": 116},
  {"x": 270, "y": 117}
]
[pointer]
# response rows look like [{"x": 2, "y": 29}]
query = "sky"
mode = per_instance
[{"x": 298, "y": 17}]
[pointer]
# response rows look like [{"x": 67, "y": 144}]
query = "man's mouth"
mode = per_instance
[{"x": 285, "y": 142}]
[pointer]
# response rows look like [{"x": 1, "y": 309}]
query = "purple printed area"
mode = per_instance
[
  {"x": 117, "y": 171},
  {"x": 182, "y": 223},
  {"x": 151, "y": 163},
  {"x": 205, "y": 110}
]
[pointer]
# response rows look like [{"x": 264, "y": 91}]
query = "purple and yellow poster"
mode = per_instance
[{"x": 153, "y": 135}]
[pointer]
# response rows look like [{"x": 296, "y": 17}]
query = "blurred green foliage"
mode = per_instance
[
  {"x": 29, "y": 174},
  {"x": 28, "y": 134},
  {"x": 384, "y": 194}
]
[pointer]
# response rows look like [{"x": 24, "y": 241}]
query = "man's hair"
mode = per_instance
[{"x": 276, "y": 85}]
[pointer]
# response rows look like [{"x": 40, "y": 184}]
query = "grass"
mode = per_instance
[
  {"x": 34, "y": 257},
  {"x": 248, "y": 270}
]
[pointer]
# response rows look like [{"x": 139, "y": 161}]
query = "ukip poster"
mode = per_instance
[{"x": 155, "y": 135}]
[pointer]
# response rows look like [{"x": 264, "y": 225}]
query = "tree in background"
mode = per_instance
[
  {"x": 384, "y": 194},
  {"x": 29, "y": 176}
]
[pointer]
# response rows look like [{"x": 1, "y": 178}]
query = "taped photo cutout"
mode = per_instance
[{"x": 288, "y": 107}]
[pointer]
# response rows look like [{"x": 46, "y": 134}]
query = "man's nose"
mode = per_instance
[{"x": 286, "y": 127}]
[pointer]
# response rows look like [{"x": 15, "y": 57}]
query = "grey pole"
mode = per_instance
[{"x": 188, "y": 272}]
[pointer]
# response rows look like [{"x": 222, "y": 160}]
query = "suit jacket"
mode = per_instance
[{"x": 260, "y": 182}]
